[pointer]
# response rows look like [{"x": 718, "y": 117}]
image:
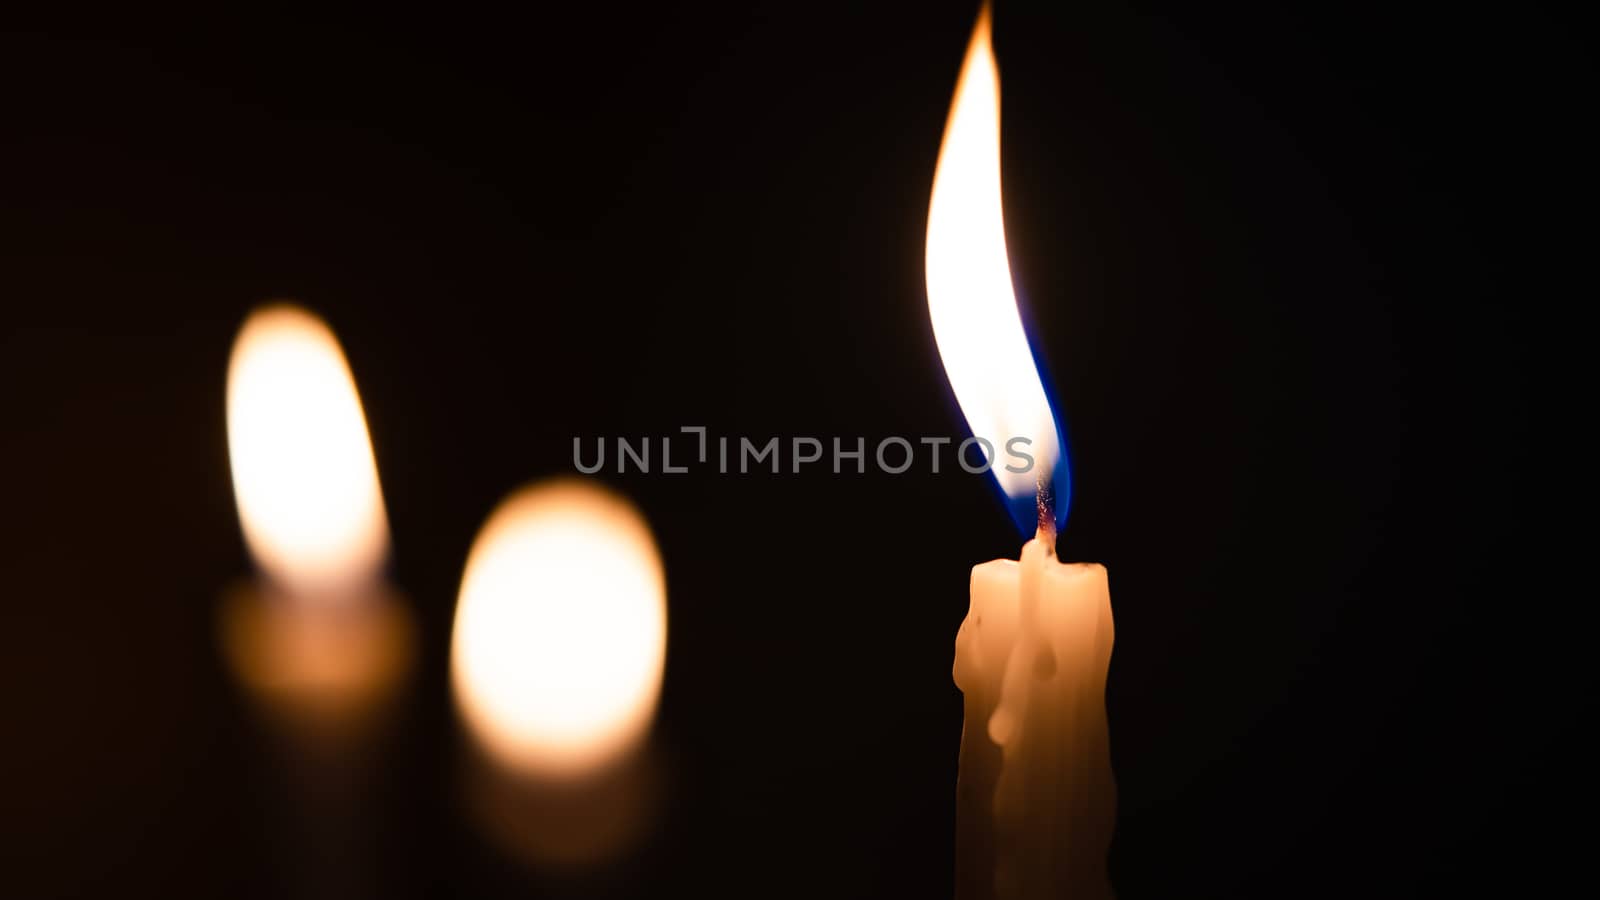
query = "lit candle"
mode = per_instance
[
  {"x": 1036, "y": 801},
  {"x": 556, "y": 663},
  {"x": 318, "y": 640}
]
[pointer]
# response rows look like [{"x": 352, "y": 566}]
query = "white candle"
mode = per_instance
[
  {"x": 1036, "y": 801},
  {"x": 320, "y": 642}
]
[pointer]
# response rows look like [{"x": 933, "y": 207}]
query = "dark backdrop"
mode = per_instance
[{"x": 1269, "y": 258}]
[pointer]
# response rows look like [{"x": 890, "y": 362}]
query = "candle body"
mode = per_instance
[
  {"x": 1036, "y": 799},
  {"x": 325, "y": 678},
  {"x": 575, "y": 824}
]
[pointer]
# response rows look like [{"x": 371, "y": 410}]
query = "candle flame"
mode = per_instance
[
  {"x": 303, "y": 471},
  {"x": 561, "y": 630},
  {"x": 971, "y": 302}
]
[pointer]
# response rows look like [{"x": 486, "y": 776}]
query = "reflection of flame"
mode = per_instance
[
  {"x": 970, "y": 300},
  {"x": 560, "y": 631},
  {"x": 303, "y": 472}
]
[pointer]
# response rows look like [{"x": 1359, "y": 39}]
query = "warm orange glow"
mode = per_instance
[
  {"x": 303, "y": 471},
  {"x": 561, "y": 630},
  {"x": 970, "y": 298}
]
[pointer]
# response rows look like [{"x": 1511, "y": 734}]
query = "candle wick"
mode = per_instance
[{"x": 1047, "y": 512}]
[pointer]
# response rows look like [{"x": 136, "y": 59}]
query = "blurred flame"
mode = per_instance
[
  {"x": 303, "y": 470},
  {"x": 561, "y": 630},
  {"x": 970, "y": 299}
]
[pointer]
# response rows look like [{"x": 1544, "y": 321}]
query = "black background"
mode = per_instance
[{"x": 1272, "y": 263}]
